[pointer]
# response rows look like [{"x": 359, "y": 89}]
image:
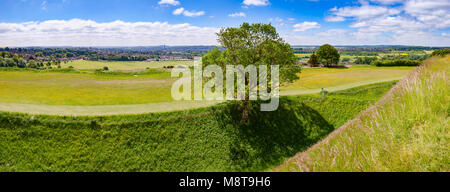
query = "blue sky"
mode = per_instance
[{"x": 189, "y": 22}]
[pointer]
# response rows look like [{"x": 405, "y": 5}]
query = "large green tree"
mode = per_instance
[
  {"x": 328, "y": 55},
  {"x": 254, "y": 44}
]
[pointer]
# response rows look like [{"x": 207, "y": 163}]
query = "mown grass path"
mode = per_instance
[
  {"x": 150, "y": 107},
  {"x": 89, "y": 94}
]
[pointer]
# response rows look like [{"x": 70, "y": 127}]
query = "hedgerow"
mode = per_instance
[
  {"x": 397, "y": 62},
  {"x": 440, "y": 52}
]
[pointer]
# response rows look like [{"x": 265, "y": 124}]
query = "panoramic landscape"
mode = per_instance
[{"x": 354, "y": 86}]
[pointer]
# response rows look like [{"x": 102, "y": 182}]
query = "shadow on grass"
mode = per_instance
[
  {"x": 270, "y": 137},
  {"x": 210, "y": 139}
]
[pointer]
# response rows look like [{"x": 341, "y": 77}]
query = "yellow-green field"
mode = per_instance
[
  {"x": 124, "y": 65},
  {"x": 313, "y": 78},
  {"x": 83, "y": 89},
  {"x": 96, "y": 94}
]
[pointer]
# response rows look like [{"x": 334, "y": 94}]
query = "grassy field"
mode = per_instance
[
  {"x": 33, "y": 91},
  {"x": 207, "y": 139},
  {"x": 124, "y": 65},
  {"x": 48, "y": 88},
  {"x": 407, "y": 130},
  {"x": 315, "y": 78}
]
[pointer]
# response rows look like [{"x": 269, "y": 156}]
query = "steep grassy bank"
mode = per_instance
[
  {"x": 209, "y": 139},
  {"x": 407, "y": 130}
]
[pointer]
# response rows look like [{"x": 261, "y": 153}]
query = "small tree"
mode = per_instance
[
  {"x": 313, "y": 60},
  {"x": 105, "y": 68},
  {"x": 328, "y": 55}
]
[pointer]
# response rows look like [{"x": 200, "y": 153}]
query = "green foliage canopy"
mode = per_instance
[
  {"x": 397, "y": 62},
  {"x": 441, "y": 52},
  {"x": 254, "y": 44},
  {"x": 328, "y": 55}
]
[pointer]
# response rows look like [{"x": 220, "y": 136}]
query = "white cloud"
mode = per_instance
[
  {"x": 408, "y": 22},
  {"x": 178, "y": 11},
  {"x": 431, "y": 12},
  {"x": 187, "y": 13},
  {"x": 240, "y": 14},
  {"x": 77, "y": 32},
  {"x": 256, "y": 2},
  {"x": 169, "y": 2},
  {"x": 334, "y": 18},
  {"x": 364, "y": 11},
  {"x": 193, "y": 13},
  {"x": 388, "y": 2},
  {"x": 333, "y": 33},
  {"x": 300, "y": 27}
]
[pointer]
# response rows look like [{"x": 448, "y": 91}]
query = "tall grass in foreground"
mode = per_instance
[{"x": 407, "y": 130}]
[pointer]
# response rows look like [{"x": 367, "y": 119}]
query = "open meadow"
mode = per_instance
[
  {"x": 52, "y": 88},
  {"x": 125, "y": 65},
  {"x": 316, "y": 78},
  {"x": 90, "y": 93}
]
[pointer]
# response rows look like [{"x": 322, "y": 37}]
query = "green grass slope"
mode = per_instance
[
  {"x": 407, "y": 130},
  {"x": 208, "y": 139}
]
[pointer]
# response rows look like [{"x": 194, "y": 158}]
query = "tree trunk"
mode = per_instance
[
  {"x": 246, "y": 102},
  {"x": 245, "y": 111}
]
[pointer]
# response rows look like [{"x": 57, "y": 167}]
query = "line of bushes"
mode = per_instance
[
  {"x": 440, "y": 52},
  {"x": 56, "y": 70},
  {"x": 397, "y": 62},
  {"x": 115, "y": 73}
]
